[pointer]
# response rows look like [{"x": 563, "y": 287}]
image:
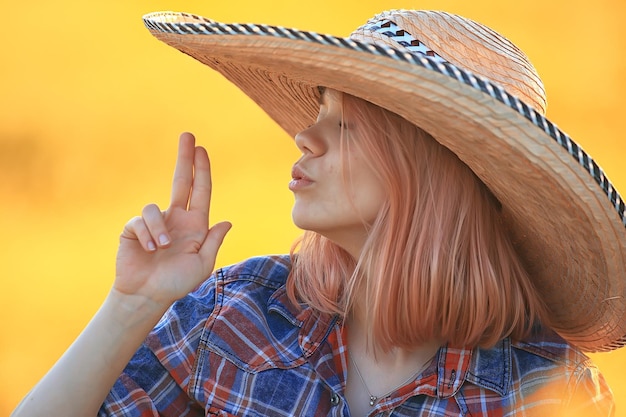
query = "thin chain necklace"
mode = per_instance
[{"x": 373, "y": 398}]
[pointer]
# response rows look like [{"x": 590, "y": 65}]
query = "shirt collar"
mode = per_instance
[
  {"x": 486, "y": 368},
  {"x": 314, "y": 326}
]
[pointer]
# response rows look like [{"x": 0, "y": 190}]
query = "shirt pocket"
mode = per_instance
[
  {"x": 249, "y": 360},
  {"x": 252, "y": 337},
  {"x": 285, "y": 390}
]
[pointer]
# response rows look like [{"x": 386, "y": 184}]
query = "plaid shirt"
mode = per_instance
[{"x": 237, "y": 347}]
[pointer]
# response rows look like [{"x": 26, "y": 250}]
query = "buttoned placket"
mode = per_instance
[{"x": 323, "y": 343}]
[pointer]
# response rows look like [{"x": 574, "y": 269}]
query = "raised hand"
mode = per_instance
[{"x": 164, "y": 255}]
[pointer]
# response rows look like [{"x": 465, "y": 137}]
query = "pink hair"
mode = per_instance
[{"x": 438, "y": 263}]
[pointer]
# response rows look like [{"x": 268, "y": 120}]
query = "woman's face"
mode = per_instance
[{"x": 336, "y": 195}]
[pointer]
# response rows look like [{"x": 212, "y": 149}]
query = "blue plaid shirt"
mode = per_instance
[{"x": 237, "y": 347}]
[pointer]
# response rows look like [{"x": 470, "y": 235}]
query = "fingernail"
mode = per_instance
[
  {"x": 151, "y": 246},
  {"x": 163, "y": 240}
]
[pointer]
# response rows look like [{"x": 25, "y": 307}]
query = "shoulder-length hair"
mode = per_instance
[{"x": 438, "y": 263}]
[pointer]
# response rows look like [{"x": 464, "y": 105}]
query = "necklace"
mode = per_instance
[{"x": 373, "y": 398}]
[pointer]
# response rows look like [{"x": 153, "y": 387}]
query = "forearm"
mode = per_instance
[{"x": 81, "y": 379}]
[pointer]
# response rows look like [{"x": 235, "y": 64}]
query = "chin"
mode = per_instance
[
  {"x": 302, "y": 223},
  {"x": 302, "y": 220}
]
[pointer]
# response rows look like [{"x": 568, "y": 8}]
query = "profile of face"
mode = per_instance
[{"x": 337, "y": 193}]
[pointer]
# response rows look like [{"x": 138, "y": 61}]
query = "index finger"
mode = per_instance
[{"x": 183, "y": 173}]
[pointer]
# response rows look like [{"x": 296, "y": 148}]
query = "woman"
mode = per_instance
[{"x": 456, "y": 258}]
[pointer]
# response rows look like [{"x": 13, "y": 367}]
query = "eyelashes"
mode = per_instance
[{"x": 341, "y": 124}]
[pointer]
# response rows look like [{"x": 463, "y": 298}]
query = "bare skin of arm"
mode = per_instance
[{"x": 162, "y": 256}]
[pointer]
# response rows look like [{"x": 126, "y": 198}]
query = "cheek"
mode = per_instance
[
  {"x": 366, "y": 189},
  {"x": 368, "y": 196}
]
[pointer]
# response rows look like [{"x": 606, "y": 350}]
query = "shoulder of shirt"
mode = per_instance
[
  {"x": 546, "y": 343},
  {"x": 542, "y": 356},
  {"x": 269, "y": 270}
]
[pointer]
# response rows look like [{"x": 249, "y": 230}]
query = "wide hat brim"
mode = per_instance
[{"x": 566, "y": 219}]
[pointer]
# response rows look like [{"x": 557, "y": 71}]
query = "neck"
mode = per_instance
[
  {"x": 373, "y": 373},
  {"x": 362, "y": 344}
]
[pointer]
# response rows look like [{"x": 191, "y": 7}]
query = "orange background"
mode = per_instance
[{"x": 91, "y": 107}]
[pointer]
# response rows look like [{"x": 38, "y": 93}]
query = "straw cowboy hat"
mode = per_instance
[{"x": 475, "y": 93}]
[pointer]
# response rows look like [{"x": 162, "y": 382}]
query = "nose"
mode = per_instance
[{"x": 311, "y": 141}]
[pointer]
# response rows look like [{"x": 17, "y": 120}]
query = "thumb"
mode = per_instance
[{"x": 212, "y": 243}]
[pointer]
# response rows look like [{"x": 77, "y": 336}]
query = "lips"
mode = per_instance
[
  {"x": 298, "y": 174},
  {"x": 299, "y": 179}
]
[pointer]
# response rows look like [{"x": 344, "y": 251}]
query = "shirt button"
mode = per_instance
[{"x": 334, "y": 399}]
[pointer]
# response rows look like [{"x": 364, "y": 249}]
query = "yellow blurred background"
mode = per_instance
[{"x": 91, "y": 107}]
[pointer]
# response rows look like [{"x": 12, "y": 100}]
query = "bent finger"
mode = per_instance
[
  {"x": 136, "y": 229},
  {"x": 155, "y": 223}
]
